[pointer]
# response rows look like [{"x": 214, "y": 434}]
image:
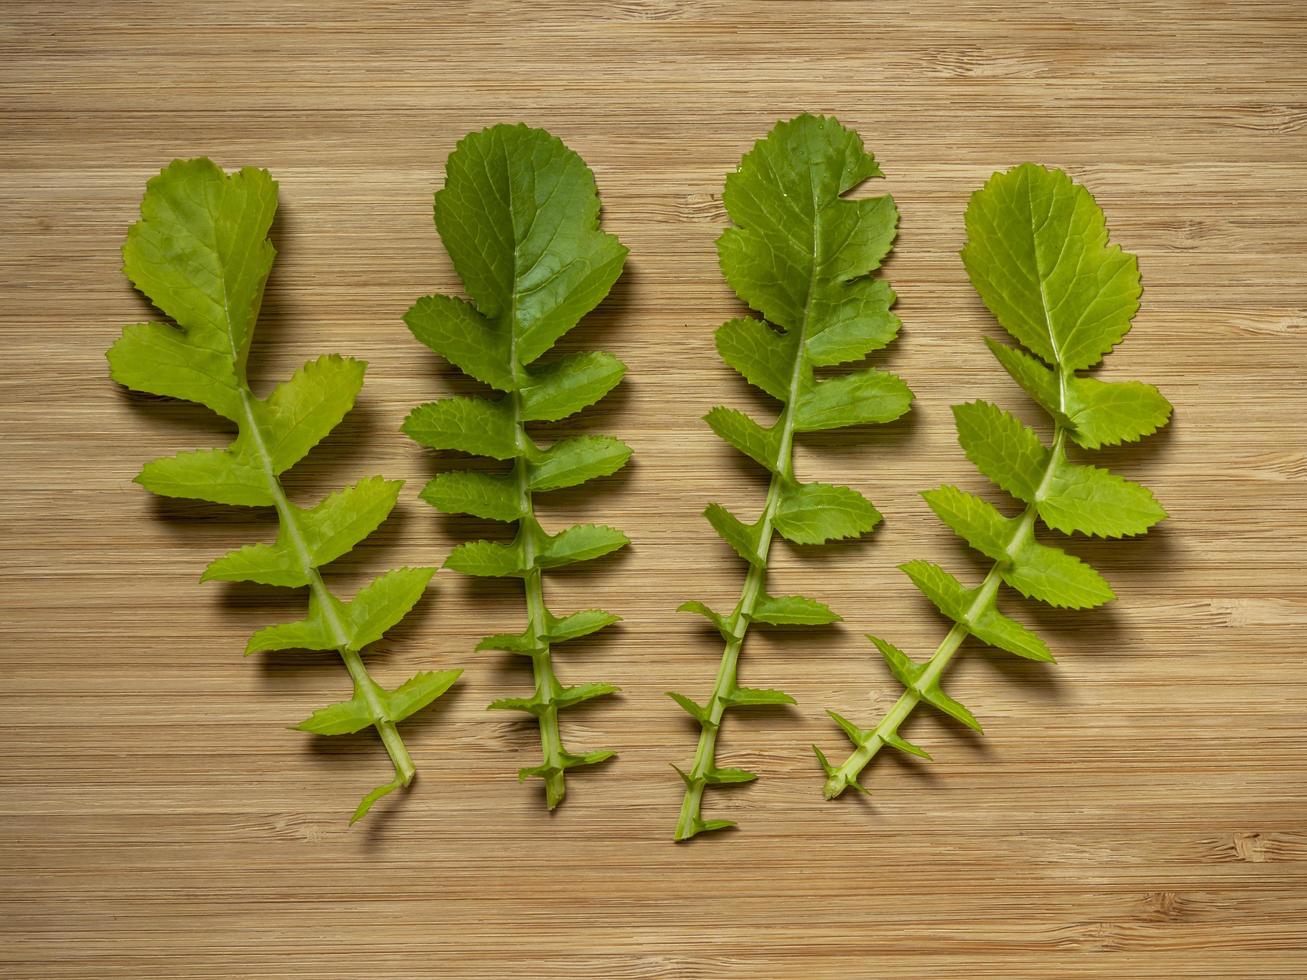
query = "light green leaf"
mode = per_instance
[
  {"x": 1002, "y": 448},
  {"x": 578, "y": 624},
  {"x": 299, "y": 413},
  {"x": 865, "y": 398},
  {"x": 418, "y": 691},
  {"x": 457, "y": 332},
  {"x": 311, "y": 633},
  {"x": 975, "y": 521},
  {"x": 813, "y": 513},
  {"x": 581, "y": 542},
  {"x": 1105, "y": 413},
  {"x": 583, "y": 692},
  {"x": 1038, "y": 380},
  {"x": 495, "y": 498},
  {"x": 519, "y": 643},
  {"x": 208, "y": 474},
  {"x": 160, "y": 359},
  {"x": 763, "y": 357},
  {"x": 1037, "y": 253},
  {"x": 487, "y": 558},
  {"x": 1093, "y": 501},
  {"x": 371, "y": 798},
  {"x": 382, "y": 603},
  {"x": 759, "y": 444},
  {"x": 570, "y": 462},
  {"x": 695, "y": 710},
  {"x": 719, "y": 621},
  {"x": 566, "y": 386},
  {"x": 740, "y": 536},
  {"x": 519, "y": 215},
  {"x": 1052, "y": 576},
  {"x": 469, "y": 425},
  {"x": 345, "y": 518},
  {"x": 264, "y": 564},
  {"x": 745, "y": 697},
  {"x": 793, "y": 610},
  {"x": 341, "y": 718},
  {"x": 201, "y": 252}
]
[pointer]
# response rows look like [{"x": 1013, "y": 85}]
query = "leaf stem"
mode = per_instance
[
  {"x": 547, "y": 686},
  {"x": 364, "y": 685},
  {"x": 847, "y": 774}
]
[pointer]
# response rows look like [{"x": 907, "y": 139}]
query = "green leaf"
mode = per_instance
[
  {"x": 814, "y": 513},
  {"x": 311, "y": 633},
  {"x": 581, "y": 542},
  {"x": 583, "y": 692},
  {"x": 801, "y": 254},
  {"x": 520, "y": 643},
  {"x": 743, "y": 697},
  {"x": 1096, "y": 413},
  {"x": 578, "y": 624},
  {"x": 326, "y": 532},
  {"x": 759, "y": 444},
  {"x": 345, "y": 518},
  {"x": 573, "y": 461},
  {"x": 367, "y": 802},
  {"x": 1038, "y": 380},
  {"x": 519, "y": 215},
  {"x": 457, "y": 332},
  {"x": 740, "y": 536},
  {"x": 865, "y": 398},
  {"x": 859, "y": 323},
  {"x": 568, "y": 385},
  {"x": 793, "y": 610},
  {"x": 488, "y": 559},
  {"x": 419, "y": 691},
  {"x": 975, "y": 521},
  {"x": 725, "y": 777},
  {"x": 1002, "y": 448},
  {"x": 201, "y": 252},
  {"x": 341, "y": 718},
  {"x": 1052, "y": 576},
  {"x": 695, "y": 710},
  {"x": 1105, "y": 413},
  {"x": 299, "y": 413},
  {"x": 216, "y": 475},
  {"x": 1037, "y": 254},
  {"x": 797, "y": 242},
  {"x": 763, "y": 357},
  {"x": 382, "y": 603},
  {"x": 494, "y": 498},
  {"x": 719, "y": 621},
  {"x": 160, "y": 359},
  {"x": 469, "y": 425},
  {"x": 1093, "y": 501}
]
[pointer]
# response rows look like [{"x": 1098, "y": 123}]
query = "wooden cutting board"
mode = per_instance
[{"x": 1139, "y": 810}]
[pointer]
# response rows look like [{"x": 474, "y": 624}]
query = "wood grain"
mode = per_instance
[{"x": 1139, "y": 810}]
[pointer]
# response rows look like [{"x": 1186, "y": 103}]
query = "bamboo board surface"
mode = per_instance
[{"x": 1139, "y": 810}]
